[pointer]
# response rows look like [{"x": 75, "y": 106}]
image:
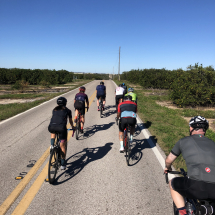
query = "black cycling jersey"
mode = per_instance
[
  {"x": 199, "y": 154},
  {"x": 59, "y": 117}
]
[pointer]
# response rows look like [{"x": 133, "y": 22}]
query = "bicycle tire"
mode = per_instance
[
  {"x": 77, "y": 128},
  {"x": 127, "y": 149},
  {"x": 101, "y": 106},
  {"x": 53, "y": 165}
]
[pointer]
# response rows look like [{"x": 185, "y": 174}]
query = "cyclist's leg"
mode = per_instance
[
  {"x": 104, "y": 100},
  {"x": 132, "y": 123},
  {"x": 82, "y": 118},
  {"x": 76, "y": 115},
  {"x": 97, "y": 101},
  {"x": 63, "y": 146},
  {"x": 121, "y": 133},
  {"x": 51, "y": 130}
]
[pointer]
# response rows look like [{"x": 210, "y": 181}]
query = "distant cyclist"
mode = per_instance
[
  {"x": 119, "y": 93},
  {"x": 125, "y": 87},
  {"x": 127, "y": 112},
  {"x": 79, "y": 104},
  {"x": 132, "y": 94},
  {"x": 101, "y": 92},
  {"x": 198, "y": 152},
  {"x": 58, "y": 123}
]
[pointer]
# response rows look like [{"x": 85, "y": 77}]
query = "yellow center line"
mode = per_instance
[
  {"x": 20, "y": 187},
  {"x": 31, "y": 193}
]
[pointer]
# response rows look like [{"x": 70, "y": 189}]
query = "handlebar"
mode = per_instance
[{"x": 182, "y": 172}]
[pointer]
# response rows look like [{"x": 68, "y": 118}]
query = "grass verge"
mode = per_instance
[
  {"x": 10, "y": 110},
  {"x": 166, "y": 125}
]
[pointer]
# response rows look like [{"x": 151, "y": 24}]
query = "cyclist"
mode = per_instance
[
  {"x": 132, "y": 94},
  {"x": 101, "y": 92},
  {"x": 127, "y": 112},
  {"x": 198, "y": 152},
  {"x": 119, "y": 94},
  {"x": 58, "y": 123},
  {"x": 125, "y": 87},
  {"x": 79, "y": 104}
]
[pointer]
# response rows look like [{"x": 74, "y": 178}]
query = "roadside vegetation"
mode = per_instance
[
  {"x": 166, "y": 125},
  {"x": 9, "y": 110}
]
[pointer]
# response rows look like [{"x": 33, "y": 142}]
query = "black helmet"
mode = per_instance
[
  {"x": 198, "y": 122},
  {"x": 102, "y": 82},
  {"x": 120, "y": 85},
  {"x": 61, "y": 101},
  {"x": 128, "y": 97}
]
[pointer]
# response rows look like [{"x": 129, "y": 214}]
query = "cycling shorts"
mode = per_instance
[
  {"x": 79, "y": 105},
  {"x": 103, "y": 97},
  {"x": 62, "y": 130},
  {"x": 117, "y": 100},
  {"x": 123, "y": 122},
  {"x": 193, "y": 189}
]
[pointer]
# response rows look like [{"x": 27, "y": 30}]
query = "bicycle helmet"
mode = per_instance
[
  {"x": 82, "y": 89},
  {"x": 102, "y": 82},
  {"x": 130, "y": 90},
  {"x": 123, "y": 84},
  {"x": 198, "y": 122},
  {"x": 127, "y": 98},
  {"x": 61, "y": 101}
]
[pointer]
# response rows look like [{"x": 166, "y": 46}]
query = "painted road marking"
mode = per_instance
[{"x": 20, "y": 187}]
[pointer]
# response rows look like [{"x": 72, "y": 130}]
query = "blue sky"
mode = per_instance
[{"x": 85, "y": 35}]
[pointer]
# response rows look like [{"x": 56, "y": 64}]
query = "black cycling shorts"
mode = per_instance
[
  {"x": 62, "y": 130},
  {"x": 123, "y": 122},
  {"x": 103, "y": 97},
  {"x": 80, "y": 106},
  {"x": 117, "y": 100},
  {"x": 193, "y": 189}
]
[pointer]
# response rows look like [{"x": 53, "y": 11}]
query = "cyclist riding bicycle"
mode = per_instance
[
  {"x": 198, "y": 152},
  {"x": 58, "y": 123},
  {"x": 119, "y": 94},
  {"x": 132, "y": 94},
  {"x": 101, "y": 92},
  {"x": 79, "y": 104},
  {"x": 127, "y": 112},
  {"x": 125, "y": 87}
]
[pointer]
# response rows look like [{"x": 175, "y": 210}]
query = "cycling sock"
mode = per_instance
[
  {"x": 52, "y": 141},
  {"x": 121, "y": 143},
  {"x": 63, "y": 162},
  {"x": 131, "y": 137},
  {"x": 82, "y": 128},
  {"x": 182, "y": 211}
]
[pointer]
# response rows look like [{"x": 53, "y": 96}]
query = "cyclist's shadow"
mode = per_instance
[
  {"x": 78, "y": 161},
  {"x": 138, "y": 145}
]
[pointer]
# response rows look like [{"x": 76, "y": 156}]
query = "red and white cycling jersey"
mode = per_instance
[{"x": 120, "y": 91}]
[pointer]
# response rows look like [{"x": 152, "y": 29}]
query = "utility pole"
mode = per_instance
[{"x": 119, "y": 65}]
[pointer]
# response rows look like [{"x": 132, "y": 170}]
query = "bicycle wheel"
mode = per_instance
[
  {"x": 77, "y": 128},
  {"x": 53, "y": 165},
  {"x": 127, "y": 151},
  {"x": 175, "y": 210},
  {"x": 101, "y": 107}
]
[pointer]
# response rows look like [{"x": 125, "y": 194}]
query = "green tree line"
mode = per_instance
[
  {"x": 195, "y": 86},
  {"x": 34, "y": 77}
]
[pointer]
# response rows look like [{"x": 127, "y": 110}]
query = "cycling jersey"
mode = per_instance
[
  {"x": 128, "y": 109},
  {"x": 125, "y": 88},
  {"x": 120, "y": 91},
  {"x": 81, "y": 97},
  {"x": 133, "y": 95},
  {"x": 59, "y": 117},
  {"x": 198, "y": 152},
  {"x": 101, "y": 90}
]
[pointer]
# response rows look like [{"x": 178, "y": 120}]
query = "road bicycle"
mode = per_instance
[
  {"x": 101, "y": 106},
  {"x": 126, "y": 143},
  {"x": 193, "y": 206},
  {"x": 55, "y": 159},
  {"x": 78, "y": 123}
]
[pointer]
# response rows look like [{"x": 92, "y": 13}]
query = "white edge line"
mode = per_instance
[
  {"x": 6, "y": 120},
  {"x": 147, "y": 135}
]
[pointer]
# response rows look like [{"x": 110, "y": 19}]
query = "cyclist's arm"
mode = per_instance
[
  {"x": 71, "y": 123},
  {"x": 169, "y": 160},
  {"x": 118, "y": 115}
]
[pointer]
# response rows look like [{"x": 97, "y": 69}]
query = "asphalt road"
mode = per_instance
[{"x": 96, "y": 180}]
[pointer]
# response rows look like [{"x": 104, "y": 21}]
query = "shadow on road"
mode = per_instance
[
  {"x": 90, "y": 131},
  {"x": 139, "y": 145},
  {"x": 78, "y": 161}
]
